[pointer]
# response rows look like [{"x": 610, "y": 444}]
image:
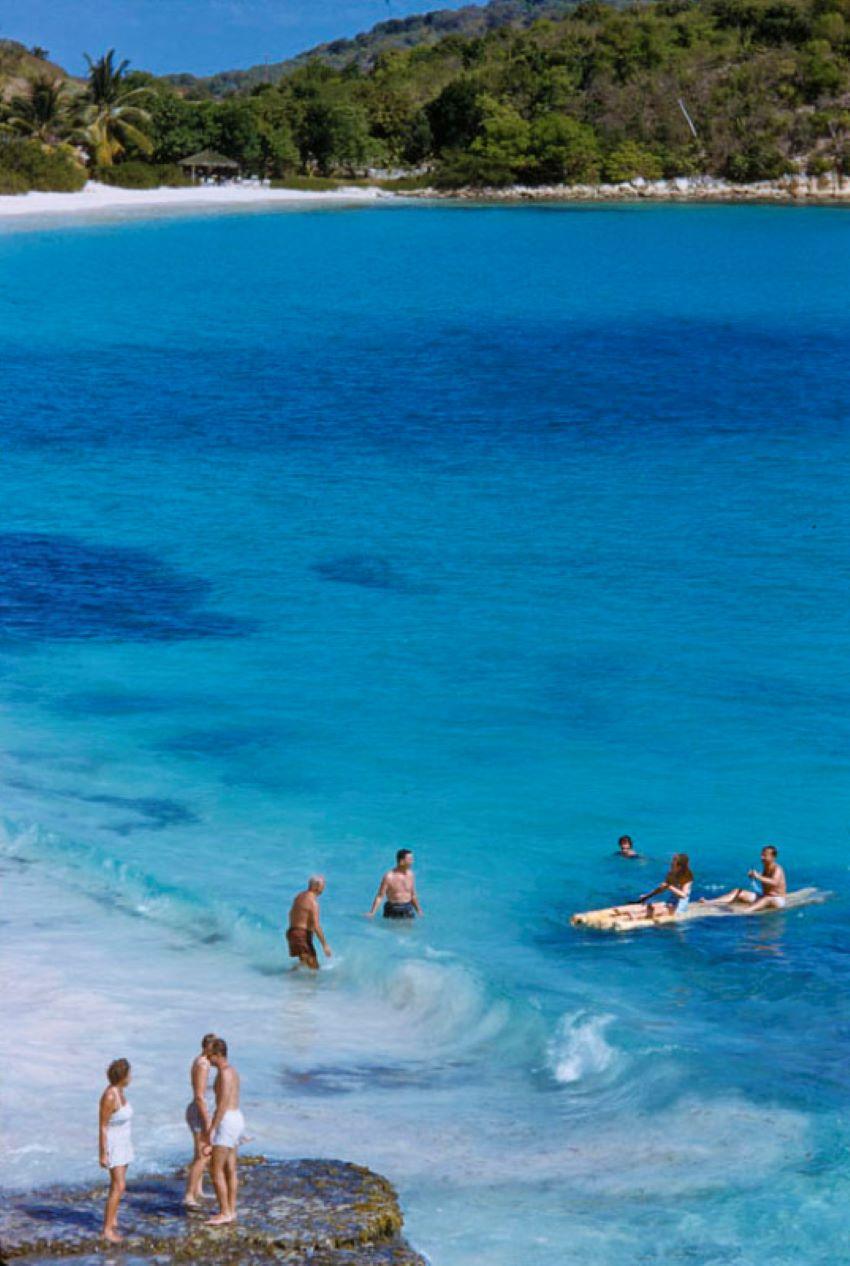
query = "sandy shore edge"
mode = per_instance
[{"x": 96, "y": 199}]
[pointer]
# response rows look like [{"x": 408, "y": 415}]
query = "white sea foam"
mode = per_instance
[{"x": 579, "y": 1049}]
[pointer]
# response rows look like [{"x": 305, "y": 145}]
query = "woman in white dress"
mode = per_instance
[{"x": 116, "y": 1141}]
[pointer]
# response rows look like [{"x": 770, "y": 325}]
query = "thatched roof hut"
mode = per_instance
[{"x": 207, "y": 163}]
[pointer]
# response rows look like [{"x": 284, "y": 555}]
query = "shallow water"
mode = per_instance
[{"x": 493, "y": 532}]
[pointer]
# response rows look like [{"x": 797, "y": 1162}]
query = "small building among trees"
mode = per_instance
[{"x": 208, "y": 165}]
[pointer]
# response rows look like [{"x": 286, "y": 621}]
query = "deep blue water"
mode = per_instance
[{"x": 493, "y": 532}]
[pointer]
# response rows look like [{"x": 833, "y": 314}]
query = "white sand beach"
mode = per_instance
[{"x": 97, "y": 199}]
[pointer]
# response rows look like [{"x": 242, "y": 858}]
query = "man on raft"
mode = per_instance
[{"x": 768, "y": 892}]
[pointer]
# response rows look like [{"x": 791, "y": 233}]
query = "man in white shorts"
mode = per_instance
[
  {"x": 768, "y": 892},
  {"x": 225, "y": 1133}
]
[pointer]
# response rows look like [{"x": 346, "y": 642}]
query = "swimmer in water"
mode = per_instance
[
  {"x": 769, "y": 887},
  {"x": 398, "y": 890},
  {"x": 679, "y": 884},
  {"x": 626, "y": 848},
  {"x": 116, "y": 1142},
  {"x": 304, "y": 922}
]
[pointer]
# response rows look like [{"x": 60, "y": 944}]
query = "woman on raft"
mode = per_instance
[{"x": 679, "y": 884}]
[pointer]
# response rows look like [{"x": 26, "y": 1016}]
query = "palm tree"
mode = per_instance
[
  {"x": 41, "y": 112},
  {"x": 112, "y": 115}
]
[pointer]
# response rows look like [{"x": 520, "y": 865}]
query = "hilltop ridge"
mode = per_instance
[
  {"x": 20, "y": 66},
  {"x": 363, "y": 49}
]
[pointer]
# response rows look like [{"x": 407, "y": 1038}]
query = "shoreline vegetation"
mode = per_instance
[
  {"x": 99, "y": 199},
  {"x": 754, "y": 94},
  {"x": 829, "y": 188}
]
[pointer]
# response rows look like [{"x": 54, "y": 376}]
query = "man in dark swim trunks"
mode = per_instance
[
  {"x": 304, "y": 922},
  {"x": 398, "y": 890}
]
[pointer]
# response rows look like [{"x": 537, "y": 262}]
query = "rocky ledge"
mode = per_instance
[
  {"x": 327, "y": 1213},
  {"x": 791, "y": 188}
]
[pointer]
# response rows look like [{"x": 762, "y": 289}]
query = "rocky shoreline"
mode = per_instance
[
  {"x": 828, "y": 188},
  {"x": 327, "y": 1213}
]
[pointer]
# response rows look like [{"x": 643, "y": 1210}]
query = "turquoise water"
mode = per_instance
[{"x": 491, "y": 532}]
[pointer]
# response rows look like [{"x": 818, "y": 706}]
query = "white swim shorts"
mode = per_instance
[{"x": 230, "y": 1129}]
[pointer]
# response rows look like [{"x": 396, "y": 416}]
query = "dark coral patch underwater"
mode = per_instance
[
  {"x": 369, "y": 571},
  {"x": 55, "y": 587}
]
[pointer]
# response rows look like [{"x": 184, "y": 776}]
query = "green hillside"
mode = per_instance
[
  {"x": 398, "y": 33},
  {"x": 597, "y": 93}
]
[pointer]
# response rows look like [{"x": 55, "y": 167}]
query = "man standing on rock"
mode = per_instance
[
  {"x": 304, "y": 922},
  {"x": 225, "y": 1133},
  {"x": 398, "y": 890}
]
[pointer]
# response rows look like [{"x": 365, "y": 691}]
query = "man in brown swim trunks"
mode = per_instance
[{"x": 304, "y": 922}]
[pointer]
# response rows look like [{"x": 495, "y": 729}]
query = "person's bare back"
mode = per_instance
[{"x": 304, "y": 911}]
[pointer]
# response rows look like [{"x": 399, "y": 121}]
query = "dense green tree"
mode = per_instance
[
  {"x": 565, "y": 151},
  {"x": 504, "y": 136},
  {"x": 455, "y": 115},
  {"x": 179, "y": 127},
  {"x": 820, "y": 73},
  {"x": 629, "y": 160},
  {"x": 334, "y": 135}
]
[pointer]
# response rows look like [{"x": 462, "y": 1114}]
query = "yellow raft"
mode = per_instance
[{"x": 618, "y": 918}]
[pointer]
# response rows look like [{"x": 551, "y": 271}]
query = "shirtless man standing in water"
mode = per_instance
[
  {"x": 398, "y": 890},
  {"x": 304, "y": 922},
  {"x": 770, "y": 887},
  {"x": 225, "y": 1133}
]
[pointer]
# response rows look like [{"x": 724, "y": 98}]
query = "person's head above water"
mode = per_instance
[
  {"x": 118, "y": 1072},
  {"x": 626, "y": 844},
  {"x": 404, "y": 859},
  {"x": 680, "y": 870},
  {"x": 316, "y": 883}
]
